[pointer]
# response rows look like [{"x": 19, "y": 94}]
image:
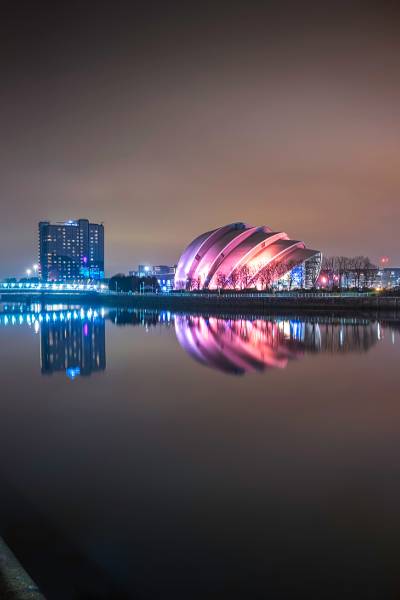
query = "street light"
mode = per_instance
[
  {"x": 29, "y": 272},
  {"x": 35, "y": 268}
]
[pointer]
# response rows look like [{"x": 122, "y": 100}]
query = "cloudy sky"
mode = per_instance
[{"x": 165, "y": 119}]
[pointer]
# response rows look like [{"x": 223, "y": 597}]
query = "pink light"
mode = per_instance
[
  {"x": 222, "y": 252},
  {"x": 238, "y": 346}
]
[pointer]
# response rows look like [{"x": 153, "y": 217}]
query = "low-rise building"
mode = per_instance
[
  {"x": 388, "y": 277},
  {"x": 165, "y": 275}
]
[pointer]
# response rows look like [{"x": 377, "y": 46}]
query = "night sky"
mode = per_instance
[{"x": 165, "y": 119}]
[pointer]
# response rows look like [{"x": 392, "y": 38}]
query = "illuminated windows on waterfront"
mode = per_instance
[{"x": 71, "y": 251}]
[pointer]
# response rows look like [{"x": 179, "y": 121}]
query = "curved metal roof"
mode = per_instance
[{"x": 220, "y": 255}]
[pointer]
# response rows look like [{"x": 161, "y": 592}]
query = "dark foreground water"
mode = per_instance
[{"x": 149, "y": 455}]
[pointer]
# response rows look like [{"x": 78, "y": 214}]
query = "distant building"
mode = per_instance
[
  {"x": 164, "y": 274},
  {"x": 383, "y": 278},
  {"x": 71, "y": 251},
  {"x": 388, "y": 277}
]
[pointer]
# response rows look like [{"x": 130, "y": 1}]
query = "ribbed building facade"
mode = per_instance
[{"x": 240, "y": 256}]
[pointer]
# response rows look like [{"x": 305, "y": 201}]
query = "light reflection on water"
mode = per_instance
[
  {"x": 244, "y": 345},
  {"x": 73, "y": 340},
  {"x": 158, "y": 472}
]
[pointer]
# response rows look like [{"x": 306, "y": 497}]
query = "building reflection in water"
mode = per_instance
[
  {"x": 244, "y": 345},
  {"x": 77, "y": 347},
  {"x": 236, "y": 345},
  {"x": 72, "y": 339}
]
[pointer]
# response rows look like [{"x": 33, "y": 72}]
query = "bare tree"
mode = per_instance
[
  {"x": 265, "y": 275},
  {"x": 328, "y": 269},
  {"x": 233, "y": 279},
  {"x": 370, "y": 272},
  {"x": 288, "y": 268},
  {"x": 341, "y": 266},
  {"x": 349, "y": 271},
  {"x": 358, "y": 269},
  {"x": 279, "y": 270},
  {"x": 244, "y": 276},
  {"x": 221, "y": 280}
]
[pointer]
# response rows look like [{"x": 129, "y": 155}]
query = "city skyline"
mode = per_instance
[
  {"x": 200, "y": 299},
  {"x": 165, "y": 121}
]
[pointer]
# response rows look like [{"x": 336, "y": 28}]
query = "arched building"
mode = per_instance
[{"x": 239, "y": 256}]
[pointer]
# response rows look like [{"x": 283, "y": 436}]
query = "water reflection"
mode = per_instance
[
  {"x": 146, "y": 318},
  {"x": 241, "y": 346},
  {"x": 238, "y": 346},
  {"x": 77, "y": 347},
  {"x": 73, "y": 339}
]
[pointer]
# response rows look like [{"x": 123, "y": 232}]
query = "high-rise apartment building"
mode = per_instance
[{"x": 71, "y": 251}]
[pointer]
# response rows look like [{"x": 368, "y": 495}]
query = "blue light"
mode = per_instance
[{"x": 73, "y": 372}]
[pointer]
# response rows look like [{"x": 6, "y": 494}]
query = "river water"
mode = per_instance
[{"x": 153, "y": 455}]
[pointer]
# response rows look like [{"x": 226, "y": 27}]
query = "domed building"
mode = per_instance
[{"x": 240, "y": 256}]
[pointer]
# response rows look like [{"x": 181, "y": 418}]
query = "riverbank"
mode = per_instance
[{"x": 232, "y": 303}]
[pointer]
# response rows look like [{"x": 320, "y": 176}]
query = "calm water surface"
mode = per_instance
[{"x": 152, "y": 455}]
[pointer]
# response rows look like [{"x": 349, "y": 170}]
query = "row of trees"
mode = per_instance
[
  {"x": 261, "y": 276},
  {"x": 131, "y": 283},
  {"x": 348, "y": 272}
]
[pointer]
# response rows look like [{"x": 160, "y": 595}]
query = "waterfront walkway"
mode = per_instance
[{"x": 246, "y": 302}]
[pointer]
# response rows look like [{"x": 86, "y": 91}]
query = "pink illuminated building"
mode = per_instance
[{"x": 239, "y": 256}]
